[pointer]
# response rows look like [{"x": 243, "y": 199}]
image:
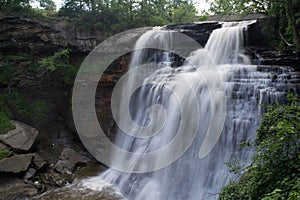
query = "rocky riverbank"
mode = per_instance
[{"x": 25, "y": 172}]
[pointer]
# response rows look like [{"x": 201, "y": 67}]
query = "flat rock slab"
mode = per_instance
[
  {"x": 16, "y": 164},
  {"x": 21, "y": 138}
]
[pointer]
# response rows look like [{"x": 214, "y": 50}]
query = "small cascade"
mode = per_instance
[{"x": 190, "y": 102}]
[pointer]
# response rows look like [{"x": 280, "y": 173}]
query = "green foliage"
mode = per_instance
[
  {"x": 203, "y": 17},
  {"x": 243, "y": 6},
  {"x": 4, "y": 153},
  {"x": 39, "y": 110},
  {"x": 5, "y": 123},
  {"x": 234, "y": 166},
  {"x": 275, "y": 169},
  {"x": 17, "y": 7},
  {"x": 7, "y": 71},
  {"x": 228, "y": 7},
  {"x": 59, "y": 63},
  {"x": 17, "y": 105},
  {"x": 48, "y": 5},
  {"x": 116, "y": 16},
  {"x": 14, "y": 4},
  {"x": 185, "y": 12},
  {"x": 9, "y": 67}
]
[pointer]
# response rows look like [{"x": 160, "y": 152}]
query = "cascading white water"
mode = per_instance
[{"x": 191, "y": 177}]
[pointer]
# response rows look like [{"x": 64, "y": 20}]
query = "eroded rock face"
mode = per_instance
[
  {"x": 16, "y": 164},
  {"x": 44, "y": 37},
  {"x": 21, "y": 138}
]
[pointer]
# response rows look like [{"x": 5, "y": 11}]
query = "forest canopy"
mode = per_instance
[{"x": 113, "y": 15}]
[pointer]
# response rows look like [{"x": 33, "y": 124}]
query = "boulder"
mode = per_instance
[
  {"x": 16, "y": 164},
  {"x": 39, "y": 161},
  {"x": 29, "y": 174},
  {"x": 13, "y": 188},
  {"x": 21, "y": 138},
  {"x": 68, "y": 160}
]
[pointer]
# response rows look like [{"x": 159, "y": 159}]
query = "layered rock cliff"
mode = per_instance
[{"x": 45, "y": 36}]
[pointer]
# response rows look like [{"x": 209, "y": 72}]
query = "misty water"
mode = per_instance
[{"x": 206, "y": 108}]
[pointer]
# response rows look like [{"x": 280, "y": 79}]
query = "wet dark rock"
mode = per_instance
[
  {"x": 56, "y": 180},
  {"x": 21, "y": 138},
  {"x": 16, "y": 164},
  {"x": 268, "y": 56},
  {"x": 29, "y": 174},
  {"x": 12, "y": 188},
  {"x": 198, "y": 31},
  {"x": 68, "y": 160},
  {"x": 39, "y": 161}
]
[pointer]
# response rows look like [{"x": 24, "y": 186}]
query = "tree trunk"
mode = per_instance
[
  {"x": 93, "y": 4},
  {"x": 293, "y": 23}
]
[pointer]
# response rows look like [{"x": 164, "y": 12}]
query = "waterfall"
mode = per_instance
[{"x": 189, "y": 96}]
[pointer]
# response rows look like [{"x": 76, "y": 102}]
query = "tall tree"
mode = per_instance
[
  {"x": 294, "y": 20},
  {"x": 48, "y": 5},
  {"x": 184, "y": 12},
  {"x": 14, "y": 3}
]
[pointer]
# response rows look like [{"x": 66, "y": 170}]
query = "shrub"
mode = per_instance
[
  {"x": 59, "y": 63},
  {"x": 275, "y": 170}
]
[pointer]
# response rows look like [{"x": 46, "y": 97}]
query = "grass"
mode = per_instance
[
  {"x": 32, "y": 111},
  {"x": 5, "y": 123},
  {"x": 4, "y": 153}
]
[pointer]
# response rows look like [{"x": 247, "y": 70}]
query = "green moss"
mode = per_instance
[
  {"x": 4, "y": 153},
  {"x": 5, "y": 123},
  {"x": 19, "y": 57},
  {"x": 34, "y": 111},
  {"x": 38, "y": 110}
]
